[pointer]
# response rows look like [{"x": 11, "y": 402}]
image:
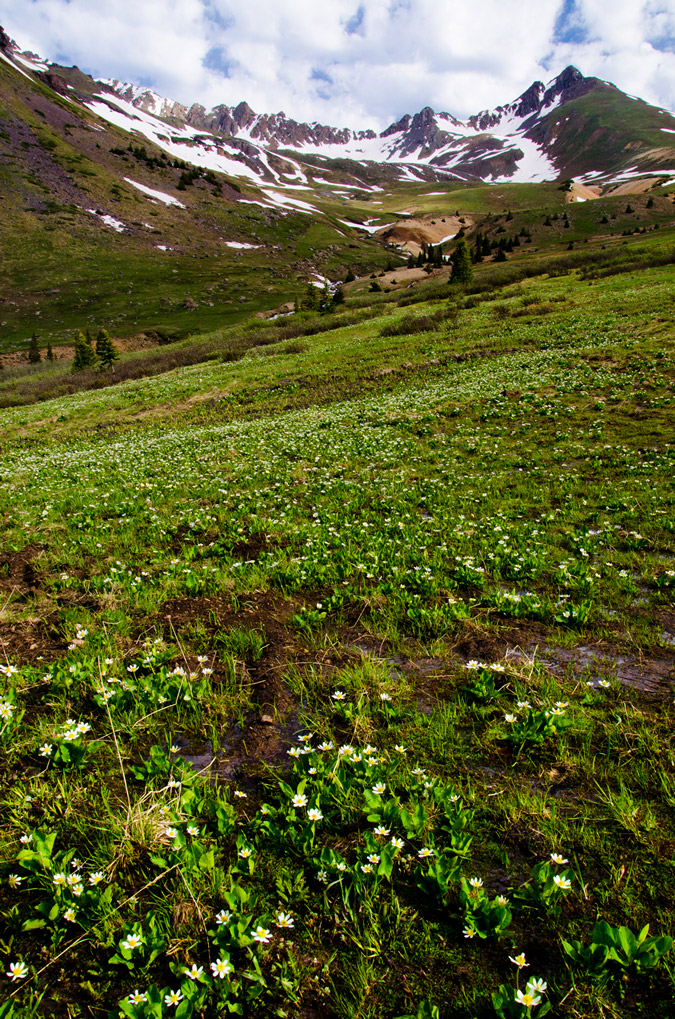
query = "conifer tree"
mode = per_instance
[
  {"x": 34, "y": 355},
  {"x": 84, "y": 354},
  {"x": 462, "y": 269},
  {"x": 50, "y": 352},
  {"x": 106, "y": 351}
]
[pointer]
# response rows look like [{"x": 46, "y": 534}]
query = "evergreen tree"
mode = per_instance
[
  {"x": 106, "y": 351},
  {"x": 34, "y": 350},
  {"x": 486, "y": 248},
  {"x": 462, "y": 270},
  {"x": 50, "y": 352},
  {"x": 311, "y": 301},
  {"x": 350, "y": 277},
  {"x": 411, "y": 261},
  {"x": 84, "y": 354},
  {"x": 501, "y": 256},
  {"x": 420, "y": 260},
  {"x": 339, "y": 296}
]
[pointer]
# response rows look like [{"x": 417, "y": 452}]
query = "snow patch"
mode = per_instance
[
  {"x": 160, "y": 196},
  {"x": 110, "y": 221},
  {"x": 242, "y": 246}
]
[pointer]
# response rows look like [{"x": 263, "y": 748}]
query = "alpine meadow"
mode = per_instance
[{"x": 337, "y": 557}]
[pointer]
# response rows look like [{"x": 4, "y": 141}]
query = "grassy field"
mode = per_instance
[{"x": 337, "y": 668}]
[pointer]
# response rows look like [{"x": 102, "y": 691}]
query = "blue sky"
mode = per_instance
[{"x": 360, "y": 63}]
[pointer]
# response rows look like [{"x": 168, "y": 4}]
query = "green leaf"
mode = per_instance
[{"x": 33, "y": 925}]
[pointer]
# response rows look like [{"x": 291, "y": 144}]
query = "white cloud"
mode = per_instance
[{"x": 356, "y": 62}]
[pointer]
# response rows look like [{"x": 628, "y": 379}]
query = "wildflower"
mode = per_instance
[
  {"x": 299, "y": 800},
  {"x": 224, "y": 916},
  {"x": 604, "y": 683},
  {"x": 527, "y": 999},
  {"x": 244, "y": 853},
  {"x": 240, "y": 795},
  {"x": 173, "y": 783},
  {"x": 536, "y": 986},
  {"x": 77, "y": 889},
  {"x": 14, "y": 880},
  {"x": 326, "y": 745},
  {"x": 501, "y": 900},
  {"x": 192, "y": 829},
  {"x": 73, "y": 879},
  {"x": 400, "y": 749},
  {"x": 339, "y": 695},
  {"x": 285, "y": 920},
  {"x": 510, "y": 718},
  {"x": 373, "y": 858},
  {"x": 341, "y": 866},
  {"x": 397, "y": 843},
  {"x": 519, "y": 960},
  {"x": 314, "y": 814},
  {"x": 222, "y": 968},
  {"x": 136, "y": 998},
  {"x": 379, "y": 788},
  {"x": 69, "y": 915},
  {"x": 294, "y": 752},
  {"x": 424, "y": 852},
  {"x": 523, "y": 704},
  {"x": 381, "y": 830},
  {"x": 82, "y": 728},
  {"x": 59, "y": 880},
  {"x": 171, "y": 833},
  {"x": 25, "y": 838},
  {"x": 558, "y": 858},
  {"x": 17, "y": 971},
  {"x": 262, "y": 935},
  {"x": 173, "y": 997},
  {"x": 346, "y": 749},
  {"x": 322, "y": 876},
  {"x": 367, "y": 868},
  {"x": 131, "y": 942},
  {"x": 469, "y": 932},
  {"x": 476, "y": 882},
  {"x": 46, "y": 750},
  {"x": 385, "y": 696},
  {"x": 195, "y": 971},
  {"x": 562, "y": 882}
]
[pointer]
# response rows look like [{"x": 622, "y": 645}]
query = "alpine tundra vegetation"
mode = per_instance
[{"x": 337, "y": 646}]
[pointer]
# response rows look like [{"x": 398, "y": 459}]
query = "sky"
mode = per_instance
[{"x": 355, "y": 63}]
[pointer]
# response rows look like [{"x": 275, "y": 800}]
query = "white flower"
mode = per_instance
[
  {"x": 501, "y": 900},
  {"x": 14, "y": 880},
  {"x": 224, "y": 916},
  {"x": 136, "y": 998},
  {"x": 536, "y": 985},
  {"x": 367, "y": 868},
  {"x": 400, "y": 749},
  {"x": 131, "y": 942},
  {"x": 244, "y": 853},
  {"x": 558, "y": 858},
  {"x": 424, "y": 852},
  {"x": 262, "y": 935},
  {"x": 59, "y": 880},
  {"x": 194, "y": 972},
  {"x": 562, "y": 882},
  {"x": 284, "y": 920},
  {"x": 299, "y": 800},
  {"x": 326, "y": 745},
  {"x": 510, "y": 718},
  {"x": 173, "y": 997},
  {"x": 519, "y": 960},
  {"x": 373, "y": 858},
  {"x": 46, "y": 750},
  {"x": 17, "y": 971},
  {"x": 192, "y": 829},
  {"x": 339, "y": 695},
  {"x": 379, "y": 788},
  {"x": 381, "y": 830},
  {"x": 469, "y": 932},
  {"x": 385, "y": 696},
  {"x": 476, "y": 882},
  {"x": 69, "y": 915},
  {"x": 222, "y": 968},
  {"x": 314, "y": 814},
  {"x": 397, "y": 843},
  {"x": 527, "y": 999},
  {"x": 96, "y": 877},
  {"x": 240, "y": 795}
]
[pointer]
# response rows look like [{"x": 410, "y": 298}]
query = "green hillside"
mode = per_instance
[{"x": 337, "y": 664}]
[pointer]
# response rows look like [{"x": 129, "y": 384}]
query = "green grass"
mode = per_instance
[{"x": 211, "y": 566}]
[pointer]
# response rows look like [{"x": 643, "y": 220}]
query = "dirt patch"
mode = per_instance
[
  {"x": 270, "y": 728},
  {"x": 412, "y": 234},
  {"x": 653, "y": 675},
  {"x": 33, "y": 641},
  {"x": 19, "y": 574},
  {"x": 582, "y": 193}
]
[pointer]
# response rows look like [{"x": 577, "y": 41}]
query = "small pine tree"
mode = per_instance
[
  {"x": 311, "y": 301},
  {"x": 650, "y": 203},
  {"x": 84, "y": 354},
  {"x": 106, "y": 351},
  {"x": 501, "y": 256},
  {"x": 339, "y": 296},
  {"x": 50, "y": 352},
  {"x": 462, "y": 269},
  {"x": 350, "y": 277},
  {"x": 629, "y": 209},
  {"x": 34, "y": 355}
]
